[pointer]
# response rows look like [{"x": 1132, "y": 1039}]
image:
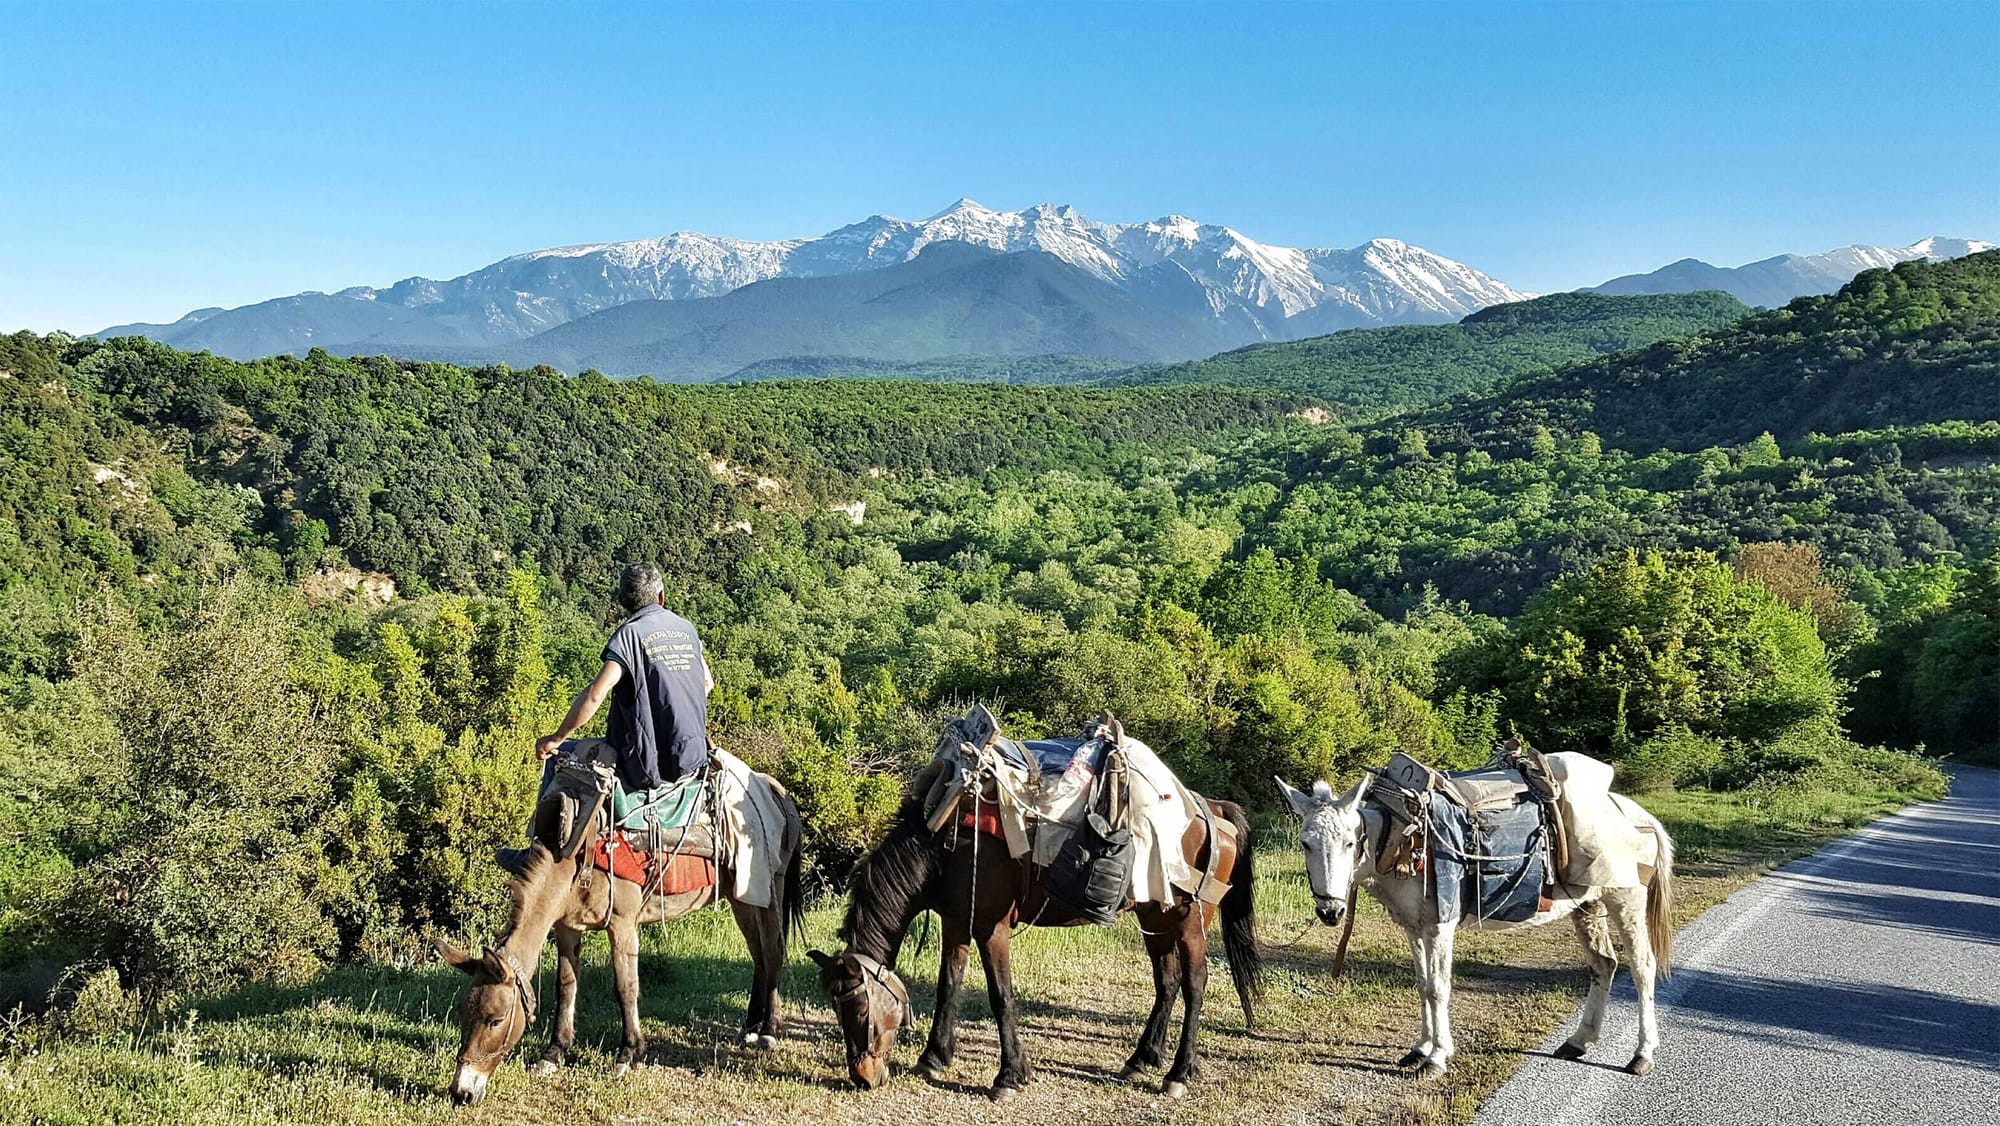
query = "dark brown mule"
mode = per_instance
[
  {"x": 570, "y": 899},
  {"x": 982, "y": 901}
]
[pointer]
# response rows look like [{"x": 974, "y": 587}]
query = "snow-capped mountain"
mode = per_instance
[
  {"x": 1260, "y": 291},
  {"x": 1775, "y": 281}
]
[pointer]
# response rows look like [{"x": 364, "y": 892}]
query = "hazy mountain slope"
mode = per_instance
[
  {"x": 952, "y": 300},
  {"x": 1407, "y": 365},
  {"x": 1903, "y": 347},
  {"x": 1774, "y": 281},
  {"x": 1047, "y": 369}
]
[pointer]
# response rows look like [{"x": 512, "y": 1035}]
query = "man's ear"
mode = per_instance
[
  {"x": 460, "y": 960},
  {"x": 1301, "y": 804}
]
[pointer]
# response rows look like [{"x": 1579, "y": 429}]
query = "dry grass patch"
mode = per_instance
[{"x": 375, "y": 1045}]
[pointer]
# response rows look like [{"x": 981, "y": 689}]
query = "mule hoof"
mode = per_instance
[
  {"x": 544, "y": 1068},
  {"x": 1175, "y": 1089},
  {"x": 621, "y": 1071},
  {"x": 766, "y": 1042},
  {"x": 1640, "y": 1065},
  {"x": 1431, "y": 1071},
  {"x": 1568, "y": 1052},
  {"x": 1005, "y": 1094},
  {"x": 1411, "y": 1058}
]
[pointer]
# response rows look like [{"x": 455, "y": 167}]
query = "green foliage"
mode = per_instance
[
  {"x": 1919, "y": 344},
  {"x": 1410, "y": 364},
  {"x": 194, "y": 803},
  {"x": 1932, "y": 676},
  {"x": 277, "y": 636},
  {"x": 1647, "y": 643}
]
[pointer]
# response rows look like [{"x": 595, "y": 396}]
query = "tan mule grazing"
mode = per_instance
[{"x": 569, "y": 898}]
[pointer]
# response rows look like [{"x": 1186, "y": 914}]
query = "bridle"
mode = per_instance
[
  {"x": 1360, "y": 853},
  {"x": 524, "y": 992},
  {"x": 874, "y": 976}
]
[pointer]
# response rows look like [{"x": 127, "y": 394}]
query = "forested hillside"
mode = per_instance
[
  {"x": 309, "y": 614},
  {"x": 1913, "y": 345},
  {"x": 1407, "y": 365}
]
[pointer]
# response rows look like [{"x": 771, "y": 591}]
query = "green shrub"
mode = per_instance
[
  {"x": 208, "y": 782},
  {"x": 1674, "y": 758},
  {"x": 1643, "y": 643}
]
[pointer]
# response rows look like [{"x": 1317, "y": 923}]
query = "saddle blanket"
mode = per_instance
[
  {"x": 683, "y": 873},
  {"x": 1043, "y": 786},
  {"x": 746, "y": 818},
  {"x": 672, "y": 806}
]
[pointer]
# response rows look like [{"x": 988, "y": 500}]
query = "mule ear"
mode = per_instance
[
  {"x": 497, "y": 966},
  {"x": 1301, "y": 803},
  {"x": 460, "y": 960},
  {"x": 820, "y": 958}
]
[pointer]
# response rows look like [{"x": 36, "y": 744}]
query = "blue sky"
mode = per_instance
[{"x": 161, "y": 158}]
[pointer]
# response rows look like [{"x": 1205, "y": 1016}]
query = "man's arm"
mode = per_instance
[
  {"x": 587, "y": 702},
  {"x": 707, "y": 678}
]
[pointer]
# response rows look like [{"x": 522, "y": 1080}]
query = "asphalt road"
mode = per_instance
[{"x": 1858, "y": 985}]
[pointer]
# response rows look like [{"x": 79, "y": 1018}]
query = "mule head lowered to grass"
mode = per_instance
[
  {"x": 873, "y": 1005},
  {"x": 964, "y": 872},
  {"x": 493, "y": 1015},
  {"x": 570, "y": 897}
]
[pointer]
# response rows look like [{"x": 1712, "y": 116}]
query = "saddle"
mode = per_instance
[
  {"x": 1100, "y": 814},
  {"x": 1443, "y": 824},
  {"x": 585, "y": 802}
]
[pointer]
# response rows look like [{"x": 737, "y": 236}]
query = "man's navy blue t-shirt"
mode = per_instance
[{"x": 659, "y": 710}]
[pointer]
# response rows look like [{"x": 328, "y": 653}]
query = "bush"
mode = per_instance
[
  {"x": 1641, "y": 644},
  {"x": 1674, "y": 758},
  {"x": 208, "y": 783}
]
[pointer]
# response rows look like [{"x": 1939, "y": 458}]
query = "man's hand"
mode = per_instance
[{"x": 586, "y": 705}]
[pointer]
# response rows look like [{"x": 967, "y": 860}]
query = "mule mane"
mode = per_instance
[
  {"x": 889, "y": 887},
  {"x": 532, "y": 887}
]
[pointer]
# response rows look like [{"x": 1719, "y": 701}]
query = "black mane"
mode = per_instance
[{"x": 891, "y": 886}]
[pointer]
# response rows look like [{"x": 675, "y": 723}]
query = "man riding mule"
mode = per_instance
[
  {"x": 603, "y": 860},
  {"x": 1445, "y": 851},
  {"x": 656, "y": 676},
  {"x": 963, "y": 848}
]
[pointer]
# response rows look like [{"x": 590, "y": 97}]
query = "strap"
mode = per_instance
[{"x": 523, "y": 981}]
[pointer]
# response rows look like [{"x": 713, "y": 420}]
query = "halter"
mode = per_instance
[
  {"x": 875, "y": 975},
  {"x": 524, "y": 992}
]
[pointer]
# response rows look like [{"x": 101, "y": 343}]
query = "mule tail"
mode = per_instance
[
  {"x": 1239, "y": 915},
  {"x": 1660, "y": 907}
]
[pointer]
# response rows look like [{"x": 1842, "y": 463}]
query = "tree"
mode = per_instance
[{"x": 1644, "y": 642}]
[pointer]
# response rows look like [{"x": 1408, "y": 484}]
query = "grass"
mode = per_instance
[{"x": 376, "y": 1044}]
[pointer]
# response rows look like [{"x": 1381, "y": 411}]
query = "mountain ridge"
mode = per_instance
[
  {"x": 1771, "y": 282},
  {"x": 1257, "y": 287}
]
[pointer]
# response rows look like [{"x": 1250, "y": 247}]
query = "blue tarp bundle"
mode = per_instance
[
  {"x": 1052, "y": 756},
  {"x": 1507, "y": 887}
]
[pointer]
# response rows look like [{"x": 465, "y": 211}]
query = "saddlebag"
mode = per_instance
[{"x": 1092, "y": 874}]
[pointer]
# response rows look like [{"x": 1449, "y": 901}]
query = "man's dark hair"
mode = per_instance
[{"x": 639, "y": 587}]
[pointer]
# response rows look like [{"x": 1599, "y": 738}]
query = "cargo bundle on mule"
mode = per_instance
[{"x": 1100, "y": 812}]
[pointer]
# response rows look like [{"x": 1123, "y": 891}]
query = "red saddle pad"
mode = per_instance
[{"x": 684, "y": 873}]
